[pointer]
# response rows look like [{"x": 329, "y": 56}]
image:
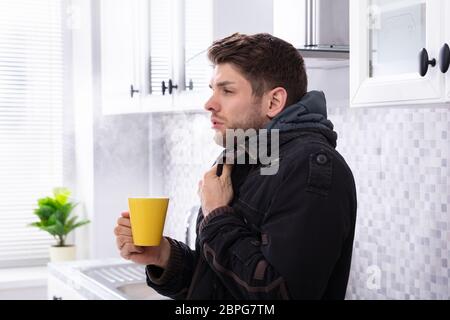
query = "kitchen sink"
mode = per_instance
[
  {"x": 126, "y": 280},
  {"x": 110, "y": 279},
  {"x": 137, "y": 291}
]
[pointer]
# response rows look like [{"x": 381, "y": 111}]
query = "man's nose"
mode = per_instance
[{"x": 211, "y": 104}]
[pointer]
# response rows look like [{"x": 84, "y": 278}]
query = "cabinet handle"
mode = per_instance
[
  {"x": 133, "y": 91},
  {"x": 425, "y": 62},
  {"x": 170, "y": 87},
  {"x": 444, "y": 58},
  {"x": 191, "y": 85}
]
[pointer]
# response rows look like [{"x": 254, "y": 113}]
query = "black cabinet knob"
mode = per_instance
[
  {"x": 163, "y": 87},
  {"x": 425, "y": 62},
  {"x": 191, "y": 85},
  {"x": 172, "y": 86},
  {"x": 444, "y": 58},
  {"x": 133, "y": 91}
]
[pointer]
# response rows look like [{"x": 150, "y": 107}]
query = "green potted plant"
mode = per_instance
[{"x": 55, "y": 217}]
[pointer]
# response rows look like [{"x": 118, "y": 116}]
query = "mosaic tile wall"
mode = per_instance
[
  {"x": 400, "y": 158},
  {"x": 188, "y": 151}
]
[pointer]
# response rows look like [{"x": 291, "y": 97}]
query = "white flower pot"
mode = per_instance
[{"x": 66, "y": 253}]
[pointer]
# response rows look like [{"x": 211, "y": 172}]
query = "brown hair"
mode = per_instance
[{"x": 265, "y": 61}]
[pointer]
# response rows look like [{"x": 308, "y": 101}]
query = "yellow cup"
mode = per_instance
[{"x": 147, "y": 216}]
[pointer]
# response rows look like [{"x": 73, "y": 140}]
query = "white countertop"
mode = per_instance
[{"x": 13, "y": 278}]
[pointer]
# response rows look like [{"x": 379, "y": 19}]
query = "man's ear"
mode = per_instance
[{"x": 276, "y": 101}]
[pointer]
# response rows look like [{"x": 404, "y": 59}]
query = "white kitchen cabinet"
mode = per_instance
[
  {"x": 118, "y": 49},
  {"x": 146, "y": 42},
  {"x": 135, "y": 54},
  {"x": 386, "y": 37},
  {"x": 59, "y": 290}
]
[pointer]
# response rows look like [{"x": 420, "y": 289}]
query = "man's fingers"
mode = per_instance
[
  {"x": 129, "y": 248},
  {"x": 135, "y": 249},
  {"x": 124, "y": 239},
  {"x": 122, "y": 231},
  {"x": 139, "y": 249},
  {"x": 124, "y": 222},
  {"x": 226, "y": 172},
  {"x": 214, "y": 171},
  {"x": 119, "y": 244},
  {"x": 121, "y": 241}
]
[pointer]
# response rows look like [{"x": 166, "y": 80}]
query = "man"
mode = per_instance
[{"x": 287, "y": 235}]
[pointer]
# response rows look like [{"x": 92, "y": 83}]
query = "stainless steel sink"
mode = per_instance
[
  {"x": 138, "y": 291},
  {"x": 125, "y": 281}
]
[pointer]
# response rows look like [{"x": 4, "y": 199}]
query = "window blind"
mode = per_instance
[{"x": 31, "y": 110}]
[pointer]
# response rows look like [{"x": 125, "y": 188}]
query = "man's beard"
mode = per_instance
[{"x": 254, "y": 120}]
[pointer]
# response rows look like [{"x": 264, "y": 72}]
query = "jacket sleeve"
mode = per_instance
[
  {"x": 300, "y": 242},
  {"x": 174, "y": 280}
]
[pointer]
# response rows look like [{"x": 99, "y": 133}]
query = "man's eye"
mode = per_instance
[{"x": 227, "y": 91}]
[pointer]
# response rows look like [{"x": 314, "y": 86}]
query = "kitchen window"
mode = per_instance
[{"x": 32, "y": 82}]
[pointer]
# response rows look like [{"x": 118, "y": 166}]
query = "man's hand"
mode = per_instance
[
  {"x": 158, "y": 256},
  {"x": 214, "y": 191}
]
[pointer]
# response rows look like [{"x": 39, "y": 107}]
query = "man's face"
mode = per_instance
[{"x": 232, "y": 104}]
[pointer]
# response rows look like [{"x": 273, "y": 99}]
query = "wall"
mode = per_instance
[
  {"x": 121, "y": 162},
  {"x": 400, "y": 160}
]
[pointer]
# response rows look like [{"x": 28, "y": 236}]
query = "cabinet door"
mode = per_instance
[
  {"x": 386, "y": 37},
  {"x": 155, "y": 53},
  {"x": 118, "y": 56},
  {"x": 194, "y": 35}
]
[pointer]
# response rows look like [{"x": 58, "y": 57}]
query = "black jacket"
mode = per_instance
[{"x": 283, "y": 236}]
